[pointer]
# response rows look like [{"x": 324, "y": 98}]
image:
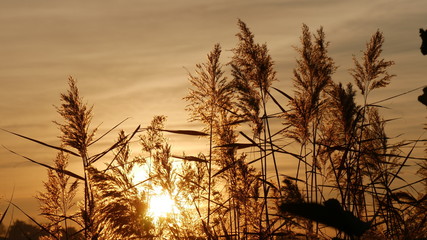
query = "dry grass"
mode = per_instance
[{"x": 348, "y": 176}]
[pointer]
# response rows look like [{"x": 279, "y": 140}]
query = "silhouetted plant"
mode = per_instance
[
  {"x": 185, "y": 184},
  {"x": 312, "y": 76},
  {"x": 253, "y": 75},
  {"x": 338, "y": 143},
  {"x": 212, "y": 102},
  {"x": 21, "y": 230},
  {"x": 330, "y": 213},
  {"x": 58, "y": 199},
  {"x": 369, "y": 75},
  {"x": 423, "y": 98},
  {"x": 121, "y": 210},
  {"x": 423, "y": 35},
  {"x": 192, "y": 186},
  {"x": 76, "y": 134},
  {"x": 344, "y": 153},
  {"x": 210, "y": 97}
]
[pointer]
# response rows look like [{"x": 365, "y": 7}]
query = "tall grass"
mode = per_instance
[
  {"x": 253, "y": 74},
  {"x": 348, "y": 183},
  {"x": 57, "y": 201},
  {"x": 312, "y": 76}
]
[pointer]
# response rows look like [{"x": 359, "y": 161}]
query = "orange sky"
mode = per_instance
[{"x": 131, "y": 60}]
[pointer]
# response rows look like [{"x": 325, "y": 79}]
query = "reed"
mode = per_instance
[{"x": 348, "y": 183}]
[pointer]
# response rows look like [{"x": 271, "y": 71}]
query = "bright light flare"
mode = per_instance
[{"x": 161, "y": 205}]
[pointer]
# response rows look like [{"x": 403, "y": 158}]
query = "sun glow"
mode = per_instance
[{"x": 160, "y": 203}]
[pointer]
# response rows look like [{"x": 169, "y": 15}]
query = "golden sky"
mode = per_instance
[{"x": 131, "y": 59}]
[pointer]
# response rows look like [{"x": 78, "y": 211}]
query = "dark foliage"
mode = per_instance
[
  {"x": 423, "y": 98},
  {"x": 330, "y": 213},
  {"x": 423, "y": 35}
]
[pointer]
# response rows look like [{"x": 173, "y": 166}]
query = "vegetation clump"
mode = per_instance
[{"x": 347, "y": 182}]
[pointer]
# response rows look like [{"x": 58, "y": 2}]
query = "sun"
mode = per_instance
[{"x": 161, "y": 205}]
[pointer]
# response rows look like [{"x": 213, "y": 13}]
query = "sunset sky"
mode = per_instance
[{"x": 132, "y": 58}]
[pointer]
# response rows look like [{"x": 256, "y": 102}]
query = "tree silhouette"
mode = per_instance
[{"x": 21, "y": 230}]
